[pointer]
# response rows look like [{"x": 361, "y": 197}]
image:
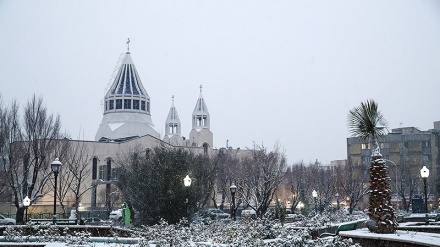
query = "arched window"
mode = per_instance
[
  {"x": 205, "y": 148},
  {"x": 94, "y": 168},
  {"x": 109, "y": 169}
]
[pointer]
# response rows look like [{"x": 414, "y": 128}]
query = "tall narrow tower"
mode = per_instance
[
  {"x": 173, "y": 127},
  {"x": 126, "y": 107},
  {"x": 201, "y": 135}
]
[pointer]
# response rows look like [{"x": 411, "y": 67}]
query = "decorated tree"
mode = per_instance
[{"x": 367, "y": 123}]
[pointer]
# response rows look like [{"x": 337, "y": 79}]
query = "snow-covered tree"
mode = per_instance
[
  {"x": 260, "y": 176},
  {"x": 296, "y": 181},
  {"x": 154, "y": 186},
  {"x": 368, "y": 123}
]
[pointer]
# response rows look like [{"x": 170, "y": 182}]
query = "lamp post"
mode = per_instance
[
  {"x": 56, "y": 167},
  {"x": 26, "y": 203},
  {"x": 424, "y": 173},
  {"x": 233, "y": 189},
  {"x": 187, "y": 183},
  {"x": 337, "y": 201},
  {"x": 315, "y": 195}
]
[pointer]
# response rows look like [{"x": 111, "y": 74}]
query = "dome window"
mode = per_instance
[
  {"x": 119, "y": 104},
  {"x": 127, "y": 103},
  {"x": 136, "y": 104}
]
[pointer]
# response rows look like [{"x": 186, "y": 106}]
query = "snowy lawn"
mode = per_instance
[
  {"x": 263, "y": 232},
  {"x": 419, "y": 238},
  {"x": 215, "y": 233}
]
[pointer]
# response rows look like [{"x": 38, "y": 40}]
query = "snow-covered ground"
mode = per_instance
[
  {"x": 419, "y": 238},
  {"x": 223, "y": 233}
]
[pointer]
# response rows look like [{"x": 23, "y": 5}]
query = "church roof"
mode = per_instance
[
  {"x": 200, "y": 109},
  {"x": 127, "y": 80},
  {"x": 173, "y": 117}
]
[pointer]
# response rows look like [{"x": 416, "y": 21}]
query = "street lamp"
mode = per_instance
[
  {"x": 187, "y": 183},
  {"x": 424, "y": 173},
  {"x": 315, "y": 194},
  {"x": 233, "y": 189},
  {"x": 337, "y": 200},
  {"x": 26, "y": 203},
  {"x": 56, "y": 167}
]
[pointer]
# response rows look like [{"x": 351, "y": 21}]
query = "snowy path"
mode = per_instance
[{"x": 420, "y": 238}]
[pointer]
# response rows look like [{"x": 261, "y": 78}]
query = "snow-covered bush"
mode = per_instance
[{"x": 260, "y": 232}]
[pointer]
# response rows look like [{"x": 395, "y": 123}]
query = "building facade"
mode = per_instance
[{"x": 406, "y": 150}]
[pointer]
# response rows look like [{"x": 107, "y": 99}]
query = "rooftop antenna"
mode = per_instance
[
  {"x": 200, "y": 88},
  {"x": 128, "y": 45}
]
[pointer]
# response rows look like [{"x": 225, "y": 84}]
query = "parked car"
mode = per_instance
[
  {"x": 215, "y": 213},
  {"x": 116, "y": 215},
  {"x": 96, "y": 221},
  {"x": 248, "y": 213},
  {"x": 6, "y": 221}
]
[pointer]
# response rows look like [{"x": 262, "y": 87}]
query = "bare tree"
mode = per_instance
[
  {"x": 296, "y": 182},
  {"x": 27, "y": 149},
  {"x": 408, "y": 184},
  {"x": 354, "y": 183},
  {"x": 261, "y": 175},
  {"x": 227, "y": 174}
]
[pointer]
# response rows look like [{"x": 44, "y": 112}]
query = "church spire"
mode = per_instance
[
  {"x": 128, "y": 46},
  {"x": 200, "y": 114},
  {"x": 172, "y": 124}
]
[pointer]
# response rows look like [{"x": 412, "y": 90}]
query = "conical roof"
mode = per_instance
[
  {"x": 200, "y": 109},
  {"x": 173, "y": 117},
  {"x": 127, "y": 80},
  {"x": 127, "y": 106}
]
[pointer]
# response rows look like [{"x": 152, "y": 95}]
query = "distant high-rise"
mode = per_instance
[{"x": 405, "y": 150}]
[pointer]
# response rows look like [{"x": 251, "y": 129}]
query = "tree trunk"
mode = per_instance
[
  {"x": 19, "y": 217},
  {"x": 380, "y": 210}
]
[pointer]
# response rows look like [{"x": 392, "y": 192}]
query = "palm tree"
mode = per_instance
[{"x": 367, "y": 123}]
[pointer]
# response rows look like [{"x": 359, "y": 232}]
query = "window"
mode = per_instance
[
  {"x": 121, "y": 85},
  {"x": 365, "y": 146},
  {"x": 106, "y": 102},
  {"x": 119, "y": 104},
  {"x": 148, "y": 106},
  {"x": 143, "y": 105},
  {"x": 109, "y": 169},
  {"x": 366, "y": 159},
  {"x": 103, "y": 172},
  {"x": 136, "y": 104},
  {"x": 111, "y": 106},
  {"x": 127, "y": 81},
  {"x": 94, "y": 168},
  {"x": 133, "y": 85},
  {"x": 115, "y": 173},
  {"x": 426, "y": 158},
  {"x": 127, "y": 103},
  {"x": 205, "y": 148}
]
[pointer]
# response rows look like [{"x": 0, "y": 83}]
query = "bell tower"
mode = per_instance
[{"x": 201, "y": 135}]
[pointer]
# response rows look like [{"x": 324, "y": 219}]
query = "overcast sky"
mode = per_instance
[{"x": 272, "y": 71}]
